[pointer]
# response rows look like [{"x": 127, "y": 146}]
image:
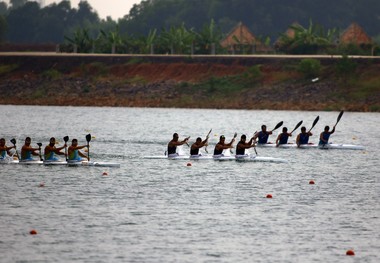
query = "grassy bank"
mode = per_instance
[{"x": 281, "y": 83}]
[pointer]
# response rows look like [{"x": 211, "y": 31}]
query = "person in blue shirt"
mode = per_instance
[
  {"x": 303, "y": 137},
  {"x": 263, "y": 135},
  {"x": 73, "y": 152},
  {"x": 27, "y": 151},
  {"x": 325, "y": 135},
  {"x": 51, "y": 150},
  {"x": 283, "y": 137},
  {"x": 4, "y": 150}
]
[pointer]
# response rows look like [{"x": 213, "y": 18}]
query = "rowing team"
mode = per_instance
[
  {"x": 50, "y": 152},
  {"x": 262, "y": 136}
]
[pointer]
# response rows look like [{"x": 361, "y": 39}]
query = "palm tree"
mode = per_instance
[{"x": 177, "y": 39}]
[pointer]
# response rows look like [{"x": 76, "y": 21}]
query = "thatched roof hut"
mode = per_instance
[
  {"x": 354, "y": 34},
  {"x": 241, "y": 38}
]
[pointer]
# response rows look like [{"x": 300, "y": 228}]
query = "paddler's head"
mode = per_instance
[
  {"x": 28, "y": 141},
  {"x": 327, "y": 128},
  {"x": 175, "y": 137},
  {"x": 264, "y": 128},
  {"x": 2, "y": 141},
  {"x": 303, "y": 129},
  {"x": 222, "y": 138},
  {"x": 52, "y": 141},
  {"x": 243, "y": 138},
  {"x": 284, "y": 130},
  {"x": 198, "y": 140},
  {"x": 74, "y": 142}
]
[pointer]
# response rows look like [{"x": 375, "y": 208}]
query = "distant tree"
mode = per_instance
[
  {"x": 3, "y": 28},
  {"x": 310, "y": 40},
  {"x": 82, "y": 40},
  {"x": 209, "y": 35},
  {"x": 110, "y": 40},
  {"x": 3, "y": 8},
  {"x": 177, "y": 39},
  {"x": 23, "y": 23},
  {"x": 17, "y": 3}
]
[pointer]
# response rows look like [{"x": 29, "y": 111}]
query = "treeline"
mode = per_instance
[{"x": 189, "y": 27}]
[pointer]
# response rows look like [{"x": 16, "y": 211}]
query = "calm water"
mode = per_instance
[{"x": 164, "y": 211}]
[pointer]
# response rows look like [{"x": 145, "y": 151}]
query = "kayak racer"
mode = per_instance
[
  {"x": 50, "y": 151},
  {"x": 27, "y": 151},
  {"x": 262, "y": 135},
  {"x": 194, "y": 149},
  {"x": 242, "y": 145},
  {"x": 172, "y": 145},
  {"x": 303, "y": 137},
  {"x": 325, "y": 135},
  {"x": 283, "y": 137},
  {"x": 4, "y": 150},
  {"x": 221, "y": 145},
  {"x": 73, "y": 151}
]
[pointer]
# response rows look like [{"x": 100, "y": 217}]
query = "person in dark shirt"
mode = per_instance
[{"x": 172, "y": 145}]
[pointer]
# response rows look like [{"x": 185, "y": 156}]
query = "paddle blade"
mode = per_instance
[
  {"x": 235, "y": 135},
  {"x": 13, "y": 141},
  {"x": 298, "y": 124},
  {"x": 339, "y": 117},
  {"x": 39, "y": 144},
  {"x": 88, "y": 137},
  {"x": 314, "y": 123},
  {"x": 278, "y": 125},
  {"x": 66, "y": 138}
]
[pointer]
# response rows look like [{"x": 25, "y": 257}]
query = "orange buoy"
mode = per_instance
[
  {"x": 105, "y": 173},
  {"x": 33, "y": 232},
  {"x": 350, "y": 253},
  {"x": 311, "y": 182},
  {"x": 188, "y": 164},
  {"x": 269, "y": 196}
]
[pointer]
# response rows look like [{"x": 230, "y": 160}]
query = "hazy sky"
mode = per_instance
[{"x": 114, "y": 8}]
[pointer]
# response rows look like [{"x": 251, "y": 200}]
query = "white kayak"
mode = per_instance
[
  {"x": 9, "y": 161},
  {"x": 242, "y": 158},
  {"x": 76, "y": 163},
  {"x": 91, "y": 163},
  {"x": 315, "y": 146}
]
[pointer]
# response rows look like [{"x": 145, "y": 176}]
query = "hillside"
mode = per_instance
[{"x": 261, "y": 82}]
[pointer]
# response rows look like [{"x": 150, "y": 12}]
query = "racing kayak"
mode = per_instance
[
  {"x": 76, "y": 163},
  {"x": 315, "y": 146},
  {"x": 91, "y": 163},
  {"x": 242, "y": 158}
]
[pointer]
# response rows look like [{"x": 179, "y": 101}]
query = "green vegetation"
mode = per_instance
[
  {"x": 51, "y": 74},
  {"x": 4, "y": 69},
  {"x": 310, "y": 68},
  {"x": 188, "y": 27}
]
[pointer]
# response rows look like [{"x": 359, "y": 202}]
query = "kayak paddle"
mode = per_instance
[
  {"x": 207, "y": 141},
  {"x": 231, "y": 151},
  {"x": 66, "y": 139},
  {"x": 278, "y": 125},
  {"x": 298, "y": 124},
  {"x": 315, "y": 122},
  {"x": 339, "y": 117},
  {"x": 254, "y": 147},
  {"x": 13, "y": 141},
  {"x": 88, "y": 139},
  {"x": 39, "y": 149}
]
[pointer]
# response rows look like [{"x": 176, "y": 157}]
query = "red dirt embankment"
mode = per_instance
[{"x": 176, "y": 81}]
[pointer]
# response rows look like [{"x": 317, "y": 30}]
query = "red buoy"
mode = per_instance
[
  {"x": 311, "y": 182},
  {"x": 105, "y": 173},
  {"x": 188, "y": 164},
  {"x": 33, "y": 232},
  {"x": 269, "y": 196},
  {"x": 350, "y": 253}
]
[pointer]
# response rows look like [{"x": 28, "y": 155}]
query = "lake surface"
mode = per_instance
[{"x": 166, "y": 211}]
